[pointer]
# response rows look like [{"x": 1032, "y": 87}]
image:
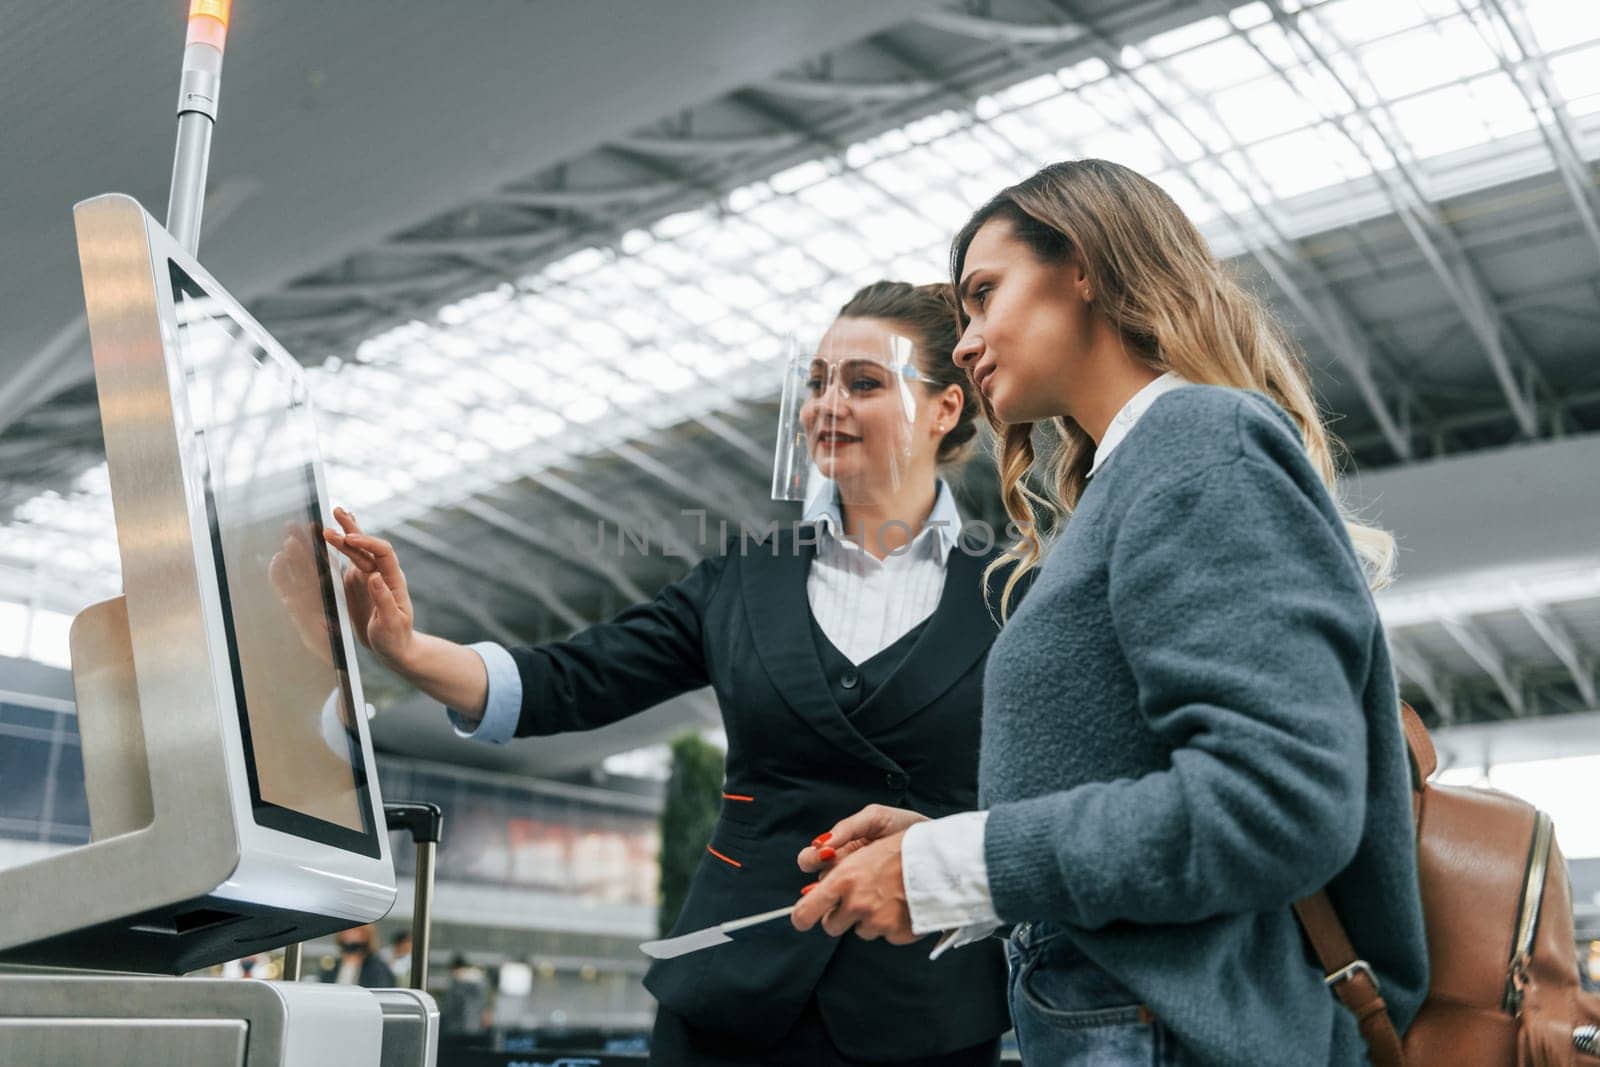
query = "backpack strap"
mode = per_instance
[
  {"x": 1349, "y": 976},
  {"x": 1351, "y": 979},
  {"x": 1424, "y": 760}
]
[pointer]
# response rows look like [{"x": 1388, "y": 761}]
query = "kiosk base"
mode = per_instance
[{"x": 66, "y": 1021}]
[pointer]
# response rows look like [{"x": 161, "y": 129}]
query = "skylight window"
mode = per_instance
[{"x": 1226, "y": 114}]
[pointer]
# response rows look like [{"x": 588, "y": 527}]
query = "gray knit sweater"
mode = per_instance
[{"x": 1191, "y": 722}]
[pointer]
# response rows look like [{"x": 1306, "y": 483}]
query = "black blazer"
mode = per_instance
[{"x": 741, "y": 624}]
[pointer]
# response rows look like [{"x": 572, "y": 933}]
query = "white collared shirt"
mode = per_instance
[
  {"x": 945, "y": 874},
  {"x": 865, "y": 604}
]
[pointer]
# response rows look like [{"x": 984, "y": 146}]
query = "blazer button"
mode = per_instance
[
  {"x": 850, "y": 679},
  {"x": 895, "y": 781}
]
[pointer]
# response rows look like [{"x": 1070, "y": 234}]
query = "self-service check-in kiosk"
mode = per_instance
[{"x": 233, "y": 799}]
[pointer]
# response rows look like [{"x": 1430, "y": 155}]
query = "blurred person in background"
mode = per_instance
[
  {"x": 398, "y": 957},
  {"x": 359, "y": 962},
  {"x": 464, "y": 1008}
]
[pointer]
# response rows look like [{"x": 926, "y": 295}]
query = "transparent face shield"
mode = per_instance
[{"x": 848, "y": 415}]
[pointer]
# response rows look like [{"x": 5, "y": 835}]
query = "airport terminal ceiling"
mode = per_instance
[{"x": 551, "y": 297}]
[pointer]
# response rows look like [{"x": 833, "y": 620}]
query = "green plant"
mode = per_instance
[{"x": 694, "y": 795}]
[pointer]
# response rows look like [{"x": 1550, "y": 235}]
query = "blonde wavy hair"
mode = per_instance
[{"x": 1177, "y": 310}]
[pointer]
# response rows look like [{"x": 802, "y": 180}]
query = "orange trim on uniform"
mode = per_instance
[
  {"x": 736, "y": 796},
  {"x": 724, "y": 859}
]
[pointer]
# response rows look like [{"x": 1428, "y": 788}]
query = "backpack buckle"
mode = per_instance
[{"x": 1349, "y": 971}]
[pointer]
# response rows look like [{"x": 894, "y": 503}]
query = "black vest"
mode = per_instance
[{"x": 853, "y": 684}]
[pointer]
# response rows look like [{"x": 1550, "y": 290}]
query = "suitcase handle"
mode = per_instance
[{"x": 423, "y": 821}]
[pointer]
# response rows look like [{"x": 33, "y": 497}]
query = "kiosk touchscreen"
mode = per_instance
[{"x": 233, "y": 800}]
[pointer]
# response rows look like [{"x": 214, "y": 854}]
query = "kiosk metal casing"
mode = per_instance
[{"x": 189, "y": 863}]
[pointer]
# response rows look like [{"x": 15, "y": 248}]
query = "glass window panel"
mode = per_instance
[
  {"x": 840, "y": 251},
  {"x": 677, "y": 225},
  {"x": 934, "y": 127},
  {"x": 784, "y": 219},
  {"x": 1226, "y": 62},
  {"x": 588, "y": 409},
  {"x": 1559, "y": 24},
  {"x": 1438, "y": 122},
  {"x": 1204, "y": 127},
  {"x": 49, "y": 641},
  {"x": 1185, "y": 37},
  {"x": 23, "y": 762},
  {"x": 1292, "y": 164},
  {"x": 1260, "y": 110},
  {"x": 742, "y": 291},
  {"x": 1566, "y": 788},
  {"x": 1083, "y": 72},
  {"x": 13, "y": 628},
  {"x": 1274, "y": 46},
  {"x": 1355, "y": 21},
  {"x": 790, "y": 270},
  {"x": 1130, "y": 149},
  {"x": 34, "y": 718},
  {"x": 1503, "y": 110},
  {"x": 1250, "y": 15},
  {"x": 1577, "y": 74},
  {"x": 833, "y": 199},
  {"x": 1453, "y": 50},
  {"x": 735, "y": 330},
  {"x": 1220, "y": 185},
  {"x": 665, "y": 375},
  {"x": 1194, "y": 203},
  {"x": 1031, "y": 91}
]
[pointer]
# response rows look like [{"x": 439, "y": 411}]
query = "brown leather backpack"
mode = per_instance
[{"x": 1503, "y": 983}]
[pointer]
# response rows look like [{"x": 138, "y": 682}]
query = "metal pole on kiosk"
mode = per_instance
[
  {"x": 198, "y": 92},
  {"x": 197, "y": 115}
]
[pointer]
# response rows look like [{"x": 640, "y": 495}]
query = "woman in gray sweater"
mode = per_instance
[{"x": 1192, "y": 721}]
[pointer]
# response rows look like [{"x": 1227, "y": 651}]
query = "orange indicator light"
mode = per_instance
[{"x": 216, "y": 9}]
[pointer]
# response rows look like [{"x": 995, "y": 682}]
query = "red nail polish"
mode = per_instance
[
  {"x": 822, "y": 839},
  {"x": 807, "y": 888},
  {"x": 827, "y": 854}
]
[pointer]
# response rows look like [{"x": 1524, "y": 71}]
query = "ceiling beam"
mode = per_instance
[
  {"x": 499, "y": 579},
  {"x": 1475, "y": 643},
  {"x": 544, "y": 542},
  {"x": 1413, "y": 665},
  {"x": 1560, "y": 641},
  {"x": 601, "y": 509},
  {"x": 480, "y": 616},
  {"x": 844, "y": 91},
  {"x": 1001, "y": 31},
  {"x": 671, "y": 147}
]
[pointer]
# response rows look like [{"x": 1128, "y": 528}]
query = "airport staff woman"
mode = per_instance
[
  {"x": 846, "y": 662},
  {"x": 1192, "y": 722}
]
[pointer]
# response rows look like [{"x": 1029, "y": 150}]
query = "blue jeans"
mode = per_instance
[{"x": 1066, "y": 1010}]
